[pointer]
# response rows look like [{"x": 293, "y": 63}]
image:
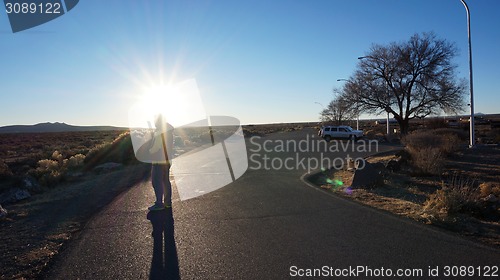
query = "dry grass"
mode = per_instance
[
  {"x": 489, "y": 188},
  {"x": 460, "y": 195},
  {"x": 21, "y": 152},
  {"x": 428, "y": 149},
  {"x": 35, "y": 230},
  {"x": 5, "y": 172},
  {"x": 454, "y": 202},
  {"x": 427, "y": 160},
  {"x": 263, "y": 129},
  {"x": 48, "y": 159}
]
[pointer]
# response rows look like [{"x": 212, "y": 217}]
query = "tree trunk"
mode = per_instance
[{"x": 404, "y": 125}]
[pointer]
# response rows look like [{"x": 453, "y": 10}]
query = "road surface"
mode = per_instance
[{"x": 267, "y": 224}]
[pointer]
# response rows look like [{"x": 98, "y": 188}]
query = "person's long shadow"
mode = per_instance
[{"x": 164, "y": 264}]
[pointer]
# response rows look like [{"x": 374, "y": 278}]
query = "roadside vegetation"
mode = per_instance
[
  {"x": 51, "y": 185},
  {"x": 428, "y": 149},
  {"x": 48, "y": 157},
  {"x": 435, "y": 179}
]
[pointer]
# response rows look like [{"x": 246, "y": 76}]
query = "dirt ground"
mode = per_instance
[
  {"x": 406, "y": 195},
  {"x": 37, "y": 229}
]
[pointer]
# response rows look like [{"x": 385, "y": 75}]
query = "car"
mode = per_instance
[{"x": 330, "y": 132}]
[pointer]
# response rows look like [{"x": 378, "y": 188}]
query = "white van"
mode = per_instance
[{"x": 339, "y": 132}]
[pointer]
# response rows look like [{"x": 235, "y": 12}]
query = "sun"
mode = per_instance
[{"x": 180, "y": 104}]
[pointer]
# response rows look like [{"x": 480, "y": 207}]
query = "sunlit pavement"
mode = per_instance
[{"x": 258, "y": 227}]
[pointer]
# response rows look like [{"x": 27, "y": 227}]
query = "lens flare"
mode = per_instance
[{"x": 348, "y": 191}]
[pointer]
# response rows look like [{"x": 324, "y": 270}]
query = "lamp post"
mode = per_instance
[
  {"x": 472, "y": 140},
  {"x": 319, "y": 104},
  {"x": 323, "y": 108},
  {"x": 357, "y": 104},
  {"x": 388, "y": 131}
]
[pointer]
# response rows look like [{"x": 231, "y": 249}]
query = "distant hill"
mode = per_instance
[{"x": 54, "y": 127}]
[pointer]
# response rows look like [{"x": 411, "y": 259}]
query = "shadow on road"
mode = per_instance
[{"x": 164, "y": 264}]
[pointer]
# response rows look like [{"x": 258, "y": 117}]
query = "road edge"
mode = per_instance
[{"x": 404, "y": 219}]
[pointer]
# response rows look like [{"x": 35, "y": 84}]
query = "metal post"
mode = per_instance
[
  {"x": 388, "y": 130},
  {"x": 472, "y": 138},
  {"x": 388, "y": 97}
]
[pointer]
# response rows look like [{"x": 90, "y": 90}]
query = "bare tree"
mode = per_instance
[
  {"x": 340, "y": 109},
  {"x": 410, "y": 79}
]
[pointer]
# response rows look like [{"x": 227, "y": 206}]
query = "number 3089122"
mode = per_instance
[{"x": 33, "y": 8}]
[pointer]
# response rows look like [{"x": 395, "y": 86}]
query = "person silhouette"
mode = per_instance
[
  {"x": 162, "y": 148},
  {"x": 165, "y": 261}
]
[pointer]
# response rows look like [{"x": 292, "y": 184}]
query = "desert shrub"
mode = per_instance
[
  {"x": 49, "y": 172},
  {"x": 461, "y": 134},
  {"x": 203, "y": 137},
  {"x": 460, "y": 195},
  {"x": 56, "y": 155},
  {"x": 429, "y": 148},
  {"x": 427, "y": 160},
  {"x": 422, "y": 138},
  {"x": 450, "y": 139},
  {"x": 5, "y": 172},
  {"x": 436, "y": 123},
  {"x": 494, "y": 135},
  {"x": 22, "y": 151},
  {"x": 425, "y": 152},
  {"x": 487, "y": 188},
  {"x": 178, "y": 141},
  {"x": 96, "y": 151},
  {"x": 74, "y": 162},
  {"x": 119, "y": 150}
]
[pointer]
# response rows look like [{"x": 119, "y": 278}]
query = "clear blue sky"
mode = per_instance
[{"x": 260, "y": 61}]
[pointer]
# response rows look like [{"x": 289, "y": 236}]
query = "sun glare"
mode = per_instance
[{"x": 180, "y": 104}]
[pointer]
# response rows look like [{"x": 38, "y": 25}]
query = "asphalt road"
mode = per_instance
[{"x": 268, "y": 224}]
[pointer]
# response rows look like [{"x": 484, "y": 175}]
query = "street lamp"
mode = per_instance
[
  {"x": 388, "y": 131},
  {"x": 319, "y": 104},
  {"x": 357, "y": 104},
  {"x": 323, "y": 107},
  {"x": 472, "y": 140}
]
